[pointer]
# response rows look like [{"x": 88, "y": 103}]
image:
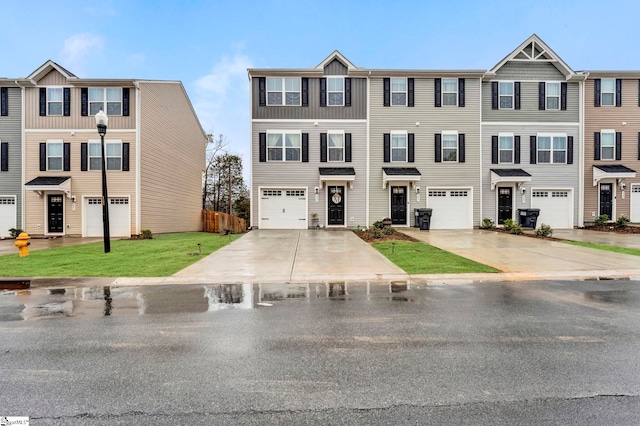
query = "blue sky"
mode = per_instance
[{"x": 208, "y": 45}]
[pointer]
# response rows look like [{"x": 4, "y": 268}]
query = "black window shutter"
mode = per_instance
[
  {"x": 533, "y": 150},
  {"x": 305, "y": 147},
  {"x": 323, "y": 147},
  {"x": 411, "y": 147},
  {"x": 43, "y": 101},
  {"x": 323, "y": 92},
  {"x": 618, "y": 146},
  {"x": 516, "y": 149},
  {"x": 541, "y": 95},
  {"x": 84, "y": 102},
  {"x": 126, "y": 93},
  {"x": 4, "y": 101},
  {"x": 638, "y": 145},
  {"x": 387, "y": 147},
  {"x": 461, "y": 148},
  {"x": 494, "y": 150},
  {"x": 638, "y": 92},
  {"x": 347, "y": 147},
  {"x": 618, "y": 92},
  {"x": 569, "y": 149},
  {"x": 563, "y": 96},
  {"x": 305, "y": 92},
  {"x": 494, "y": 95},
  {"x": 4, "y": 156},
  {"x": 437, "y": 92},
  {"x": 66, "y": 158},
  {"x": 596, "y": 145},
  {"x": 438, "y": 148},
  {"x": 125, "y": 157},
  {"x": 43, "y": 157},
  {"x": 461, "y": 92},
  {"x": 410, "y": 96},
  {"x": 516, "y": 95},
  {"x": 67, "y": 101},
  {"x": 596, "y": 92},
  {"x": 262, "y": 91},
  {"x": 387, "y": 92},
  {"x": 83, "y": 156},
  {"x": 347, "y": 92},
  {"x": 263, "y": 147}
]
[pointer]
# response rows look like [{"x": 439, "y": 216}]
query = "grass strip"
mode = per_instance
[{"x": 615, "y": 249}]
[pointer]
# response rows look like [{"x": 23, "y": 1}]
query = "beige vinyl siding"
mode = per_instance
[
  {"x": 611, "y": 117},
  {"x": 11, "y": 133},
  {"x": 172, "y": 159},
  {"x": 432, "y": 120},
  {"x": 53, "y": 78},
  {"x": 299, "y": 174}
]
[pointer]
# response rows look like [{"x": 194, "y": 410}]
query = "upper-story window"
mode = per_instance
[
  {"x": 505, "y": 94},
  {"x": 398, "y": 147},
  {"x": 54, "y": 100},
  {"x": 113, "y": 155},
  {"x": 283, "y": 91},
  {"x": 608, "y": 92},
  {"x": 398, "y": 91},
  {"x": 449, "y": 146},
  {"x": 107, "y": 99},
  {"x": 284, "y": 146},
  {"x": 505, "y": 148},
  {"x": 335, "y": 91},
  {"x": 552, "y": 149},
  {"x": 552, "y": 95},
  {"x": 450, "y": 91},
  {"x": 607, "y": 144},
  {"x": 336, "y": 146},
  {"x": 54, "y": 155}
]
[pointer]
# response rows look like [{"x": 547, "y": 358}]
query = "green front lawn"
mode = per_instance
[
  {"x": 615, "y": 249},
  {"x": 422, "y": 258},
  {"x": 162, "y": 256}
]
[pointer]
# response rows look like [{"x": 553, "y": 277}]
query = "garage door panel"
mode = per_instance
[
  {"x": 556, "y": 207},
  {"x": 452, "y": 208},
  {"x": 283, "y": 209},
  {"x": 8, "y": 215},
  {"x": 635, "y": 203},
  {"x": 119, "y": 217}
]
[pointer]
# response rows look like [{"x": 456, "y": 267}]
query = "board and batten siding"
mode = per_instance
[
  {"x": 335, "y": 67},
  {"x": 11, "y": 133},
  {"x": 172, "y": 157},
  {"x": 543, "y": 176},
  {"x": 432, "y": 120},
  {"x": 284, "y": 174}
]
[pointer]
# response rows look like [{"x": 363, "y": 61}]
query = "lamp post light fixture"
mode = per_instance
[{"x": 101, "y": 123}]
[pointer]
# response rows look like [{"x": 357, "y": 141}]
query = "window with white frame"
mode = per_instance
[
  {"x": 552, "y": 94},
  {"x": 284, "y": 91},
  {"x": 335, "y": 145},
  {"x": 398, "y": 91},
  {"x": 335, "y": 91},
  {"x": 449, "y": 146},
  {"x": 107, "y": 99},
  {"x": 608, "y": 92},
  {"x": 607, "y": 144},
  {"x": 112, "y": 155},
  {"x": 450, "y": 91},
  {"x": 54, "y": 100},
  {"x": 505, "y": 94},
  {"x": 284, "y": 146},
  {"x": 552, "y": 149},
  {"x": 54, "y": 155},
  {"x": 505, "y": 148},
  {"x": 398, "y": 147}
]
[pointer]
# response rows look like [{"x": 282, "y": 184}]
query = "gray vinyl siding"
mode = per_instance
[
  {"x": 11, "y": 132},
  {"x": 432, "y": 120},
  {"x": 529, "y": 70},
  {"x": 357, "y": 110},
  {"x": 299, "y": 174},
  {"x": 335, "y": 68},
  {"x": 543, "y": 176}
]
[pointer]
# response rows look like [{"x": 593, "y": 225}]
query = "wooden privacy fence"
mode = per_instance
[{"x": 219, "y": 222}]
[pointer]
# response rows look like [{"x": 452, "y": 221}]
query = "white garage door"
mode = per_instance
[
  {"x": 119, "y": 217},
  {"x": 7, "y": 215},
  {"x": 635, "y": 203},
  {"x": 283, "y": 209},
  {"x": 556, "y": 207},
  {"x": 452, "y": 208}
]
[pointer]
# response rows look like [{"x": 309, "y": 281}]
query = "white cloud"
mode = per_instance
[{"x": 79, "y": 46}]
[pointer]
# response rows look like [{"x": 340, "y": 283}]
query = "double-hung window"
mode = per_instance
[
  {"x": 398, "y": 147},
  {"x": 54, "y": 100},
  {"x": 505, "y": 94},
  {"x": 608, "y": 92},
  {"x": 450, "y": 91},
  {"x": 113, "y": 155},
  {"x": 284, "y": 91},
  {"x": 54, "y": 155},
  {"x": 505, "y": 148},
  {"x": 335, "y": 146},
  {"x": 284, "y": 146},
  {"x": 449, "y": 146},
  {"x": 398, "y": 91},
  {"x": 607, "y": 145},
  {"x": 107, "y": 99},
  {"x": 335, "y": 91},
  {"x": 552, "y": 95},
  {"x": 552, "y": 148}
]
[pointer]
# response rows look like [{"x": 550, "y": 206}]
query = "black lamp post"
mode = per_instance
[{"x": 101, "y": 122}]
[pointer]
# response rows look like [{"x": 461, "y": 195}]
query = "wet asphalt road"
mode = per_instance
[{"x": 494, "y": 353}]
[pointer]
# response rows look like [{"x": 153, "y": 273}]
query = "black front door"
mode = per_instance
[
  {"x": 55, "y": 222},
  {"x": 505, "y": 204},
  {"x": 606, "y": 199},
  {"x": 399, "y": 205},
  {"x": 336, "y": 205}
]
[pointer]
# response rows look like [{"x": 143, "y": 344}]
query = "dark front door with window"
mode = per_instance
[
  {"x": 55, "y": 222},
  {"x": 399, "y": 205},
  {"x": 505, "y": 204},
  {"x": 336, "y": 205},
  {"x": 606, "y": 199}
]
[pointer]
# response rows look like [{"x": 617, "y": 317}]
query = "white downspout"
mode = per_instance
[
  {"x": 368, "y": 166},
  {"x": 481, "y": 191},
  {"x": 581, "y": 169},
  {"x": 23, "y": 160},
  {"x": 138, "y": 195}
]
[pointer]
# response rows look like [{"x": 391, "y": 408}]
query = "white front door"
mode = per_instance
[
  {"x": 283, "y": 208},
  {"x": 8, "y": 214},
  {"x": 635, "y": 203},
  {"x": 452, "y": 208},
  {"x": 556, "y": 207}
]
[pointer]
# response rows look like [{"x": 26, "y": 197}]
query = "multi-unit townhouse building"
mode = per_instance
[
  {"x": 10, "y": 156},
  {"x": 155, "y": 152}
]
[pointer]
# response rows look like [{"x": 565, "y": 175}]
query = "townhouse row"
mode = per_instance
[
  {"x": 50, "y": 165},
  {"x": 350, "y": 146}
]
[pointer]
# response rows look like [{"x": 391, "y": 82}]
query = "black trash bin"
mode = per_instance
[
  {"x": 416, "y": 218},
  {"x": 425, "y": 219},
  {"x": 528, "y": 217}
]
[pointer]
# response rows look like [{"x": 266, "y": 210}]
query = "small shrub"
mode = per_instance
[
  {"x": 146, "y": 234},
  {"x": 544, "y": 231},
  {"x": 509, "y": 224},
  {"x": 377, "y": 232},
  {"x": 378, "y": 224},
  {"x": 516, "y": 229},
  {"x": 14, "y": 232},
  {"x": 388, "y": 230},
  {"x": 602, "y": 219},
  {"x": 622, "y": 221},
  {"x": 488, "y": 223}
]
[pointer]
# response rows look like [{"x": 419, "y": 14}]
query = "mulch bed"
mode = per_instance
[
  {"x": 370, "y": 237},
  {"x": 611, "y": 228}
]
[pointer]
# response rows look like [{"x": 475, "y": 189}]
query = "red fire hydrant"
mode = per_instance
[{"x": 22, "y": 243}]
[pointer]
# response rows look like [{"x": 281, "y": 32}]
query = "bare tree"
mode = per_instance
[{"x": 214, "y": 147}]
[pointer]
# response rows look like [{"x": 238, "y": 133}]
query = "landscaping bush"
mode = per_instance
[
  {"x": 622, "y": 221},
  {"x": 602, "y": 219},
  {"x": 377, "y": 224},
  {"x": 544, "y": 231},
  {"x": 516, "y": 229},
  {"x": 146, "y": 234},
  {"x": 508, "y": 224},
  {"x": 488, "y": 223},
  {"x": 388, "y": 230},
  {"x": 14, "y": 232}
]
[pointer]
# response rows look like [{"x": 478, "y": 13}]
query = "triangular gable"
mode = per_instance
[
  {"x": 336, "y": 56},
  {"x": 534, "y": 49},
  {"x": 46, "y": 68}
]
